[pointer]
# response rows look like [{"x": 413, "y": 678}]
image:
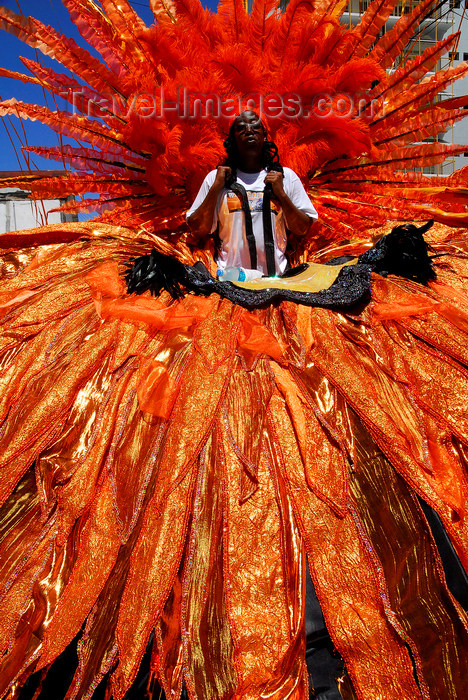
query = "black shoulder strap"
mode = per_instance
[
  {"x": 268, "y": 231},
  {"x": 268, "y": 237},
  {"x": 242, "y": 194}
]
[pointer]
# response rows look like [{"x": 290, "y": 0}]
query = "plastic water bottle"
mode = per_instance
[{"x": 237, "y": 274}]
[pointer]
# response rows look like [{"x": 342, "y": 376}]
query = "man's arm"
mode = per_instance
[
  {"x": 201, "y": 220},
  {"x": 298, "y": 221}
]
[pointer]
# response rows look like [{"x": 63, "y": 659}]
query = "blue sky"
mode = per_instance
[{"x": 50, "y": 12}]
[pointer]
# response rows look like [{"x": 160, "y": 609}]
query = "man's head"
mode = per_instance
[
  {"x": 247, "y": 146},
  {"x": 248, "y": 132}
]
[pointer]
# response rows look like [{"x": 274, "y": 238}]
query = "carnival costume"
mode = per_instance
[{"x": 169, "y": 459}]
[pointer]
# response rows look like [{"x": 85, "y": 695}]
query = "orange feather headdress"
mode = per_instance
[{"x": 150, "y": 118}]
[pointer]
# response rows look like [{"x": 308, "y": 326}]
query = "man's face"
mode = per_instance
[{"x": 249, "y": 133}]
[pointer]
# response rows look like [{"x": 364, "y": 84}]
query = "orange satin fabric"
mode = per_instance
[{"x": 188, "y": 457}]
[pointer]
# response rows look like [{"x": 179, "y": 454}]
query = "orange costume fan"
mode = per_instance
[{"x": 168, "y": 465}]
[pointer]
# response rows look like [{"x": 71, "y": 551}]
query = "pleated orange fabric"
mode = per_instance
[{"x": 169, "y": 466}]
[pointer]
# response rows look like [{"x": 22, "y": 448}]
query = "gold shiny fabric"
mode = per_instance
[
  {"x": 314, "y": 279},
  {"x": 169, "y": 467}
]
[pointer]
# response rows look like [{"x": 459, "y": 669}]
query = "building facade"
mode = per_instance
[
  {"x": 18, "y": 211},
  {"x": 447, "y": 18}
]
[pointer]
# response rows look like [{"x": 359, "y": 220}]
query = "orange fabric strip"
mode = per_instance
[{"x": 345, "y": 579}]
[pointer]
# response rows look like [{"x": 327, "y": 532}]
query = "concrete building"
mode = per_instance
[
  {"x": 459, "y": 132},
  {"x": 17, "y": 211},
  {"x": 444, "y": 20}
]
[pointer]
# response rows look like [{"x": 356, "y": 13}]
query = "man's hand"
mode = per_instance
[
  {"x": 201, "y": 220},
  {"x": 223, "y": 172},
  {"x": 276, "y": 180},
  {"x": 297, "y": 221}
]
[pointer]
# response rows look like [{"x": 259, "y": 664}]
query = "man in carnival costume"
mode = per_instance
[
  {"x": 253, "y": 164},
  {"x": 252, "y": 161}
]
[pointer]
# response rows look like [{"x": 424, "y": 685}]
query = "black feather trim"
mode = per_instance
[
  {"x": 156, "y": 272},
  {"x": 402, "y": 252}
]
